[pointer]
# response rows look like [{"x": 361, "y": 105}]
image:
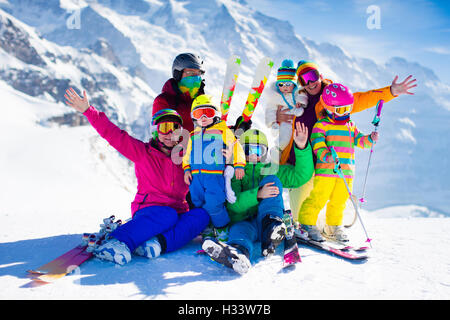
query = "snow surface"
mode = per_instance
[{"x": 57, "y": 183}]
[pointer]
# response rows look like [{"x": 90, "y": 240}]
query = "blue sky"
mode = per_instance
[{"x": 418, "y": 30}]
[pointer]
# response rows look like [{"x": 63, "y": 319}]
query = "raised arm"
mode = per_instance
[{"x": 120, "y": 140}]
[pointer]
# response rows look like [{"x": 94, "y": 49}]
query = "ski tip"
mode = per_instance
[
  {"x": 35, "y": 283},
  {"x": 35, "y": 273}
]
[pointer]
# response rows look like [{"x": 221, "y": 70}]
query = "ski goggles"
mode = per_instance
[
  {"x": 256, "y": 149},
  {"x": 167, "y": 127},
  {"x": 343, "y": 110},
  {"x": 307, "y": 77},
  {"x": 285, "y": 84},
  {"x": 200, "y": 112}
]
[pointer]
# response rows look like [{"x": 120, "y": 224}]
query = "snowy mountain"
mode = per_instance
[{"x": 121, "y": 54}]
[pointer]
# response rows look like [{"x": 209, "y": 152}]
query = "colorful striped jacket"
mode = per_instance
[
  {"x": 204, "y": 150},
  {"x": 343, "y": 136}
]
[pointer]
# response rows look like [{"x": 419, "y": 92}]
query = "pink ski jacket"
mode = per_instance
[{"x": 160, "y": 182}]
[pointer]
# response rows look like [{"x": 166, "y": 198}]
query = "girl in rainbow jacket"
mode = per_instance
[{"x": 338, "y": 131}]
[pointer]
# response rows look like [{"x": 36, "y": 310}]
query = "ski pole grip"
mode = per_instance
[
  {"x": 380, "y": 106},
  {"x": 337, "y": 163},
  {"x": 334, "y": 154}
]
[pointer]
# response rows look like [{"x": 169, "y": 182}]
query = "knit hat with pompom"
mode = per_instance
[{"x": 286, "y": 73}]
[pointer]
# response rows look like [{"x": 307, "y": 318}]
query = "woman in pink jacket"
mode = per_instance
[{"x": 161, "y": 219}]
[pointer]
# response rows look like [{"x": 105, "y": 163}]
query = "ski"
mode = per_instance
[
  {"x": 324, "y": 246},
  {"x": 67, "y": 262},
  {"x": 345, "y": 245},
  {"x": 262, "y": 73},
  {"x": 229, "y": 85},
  {"x": 291, "y": 255}
]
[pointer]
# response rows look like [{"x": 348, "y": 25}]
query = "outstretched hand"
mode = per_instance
[
  {"x": 402, "y": 87},
  {"x": 300, "y": 135},
  {"x": 75, "y": 101}
]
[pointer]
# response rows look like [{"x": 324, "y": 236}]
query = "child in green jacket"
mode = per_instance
[{"x": 257, "y": 213}]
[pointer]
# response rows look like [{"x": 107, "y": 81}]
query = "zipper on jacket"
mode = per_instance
[{"x": 253, "y": 175}]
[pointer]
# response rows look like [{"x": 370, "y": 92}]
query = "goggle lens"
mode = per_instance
[
  {"x": 167, "y": 127},
  {"x": 310, "y": 76},
  {"x": 285, "y": 84},
  {"x": 208, "y": 112},
  {"x": 343, "y": 110},
  {"x": 256, "y": 149}
]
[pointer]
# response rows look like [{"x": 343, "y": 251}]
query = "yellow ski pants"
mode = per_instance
[
  {"x": 326, "y": 188},
  {"x": 298, "y": 195}
]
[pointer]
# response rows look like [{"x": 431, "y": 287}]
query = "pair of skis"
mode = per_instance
[
  {"x": 69, "y": 261},
  {"x": 262, "y": 73},
  {"x": 338, "y": 249}
]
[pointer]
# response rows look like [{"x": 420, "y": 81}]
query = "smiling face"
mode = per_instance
[
  {"x": 314, "y": 88},
  {"x": 167, "y": 140}
]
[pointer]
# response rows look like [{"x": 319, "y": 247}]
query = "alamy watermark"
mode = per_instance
[
  {"x": 374, "y": 19},
  {"x": 74, "y": 19}
]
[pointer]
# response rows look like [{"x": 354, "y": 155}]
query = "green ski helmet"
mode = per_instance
[{"x": 254, "y": 141}]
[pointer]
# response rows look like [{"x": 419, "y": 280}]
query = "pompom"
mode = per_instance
[{"x": 287, "y": 63}]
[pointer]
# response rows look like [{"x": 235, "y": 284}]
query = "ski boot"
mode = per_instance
[
  {"x": 232, "y": 256},
  {"x": 149, "y": 249},
  {"x": 212, "y": 233},
  {"x": 336, "y": 233},
  {"x": 113, "y": 250},
  {"x": 313, "y": 232},
  {"x": 273, "y": 233},
  {"x": 299, "y": 232},
  {"x": 222, "y": 233}
]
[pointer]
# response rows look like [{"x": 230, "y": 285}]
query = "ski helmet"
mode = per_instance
[
  {"x": 166, "y": 115},
  {"x": 183, "y": 61},
  {"x": 254, "y": 137},
  {"x": 337, "y": 99},
  {"x": 203, "y": 100}
]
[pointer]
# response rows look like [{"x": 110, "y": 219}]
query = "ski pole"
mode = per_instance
[
  {"x": 337, "y": 169},
  {"x": 375, "y": 122}
]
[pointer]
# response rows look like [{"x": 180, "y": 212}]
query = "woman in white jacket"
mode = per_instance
[{"x": 284, "y": 94}]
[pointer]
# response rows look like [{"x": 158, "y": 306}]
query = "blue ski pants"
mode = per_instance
[
  {"x": 247, "y": 232},
  {"x": 208, "y": 192},
  {"x": 173, "y": 230}
]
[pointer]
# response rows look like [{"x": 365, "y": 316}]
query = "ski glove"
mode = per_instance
[
  {"x": 228, "y": 174},
  {"x": 244, "y": 125}
]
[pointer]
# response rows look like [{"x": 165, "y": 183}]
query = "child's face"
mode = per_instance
[
  {"x": 204, "y": 121},
  {"x": 253, "y": 158},
  {"x": 286, "y": 87}
]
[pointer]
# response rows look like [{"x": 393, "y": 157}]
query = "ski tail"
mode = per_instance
[
  {"x": 328, "y": 248},
  {"x": 291, "y": 253},
  {"x": 68, "y": 261},
  {"x": 229, "y": 85},
  {"x": 262, "y": 73}
]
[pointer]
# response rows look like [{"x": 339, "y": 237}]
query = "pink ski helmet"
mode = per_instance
[{"x": 337, "y": 99}]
